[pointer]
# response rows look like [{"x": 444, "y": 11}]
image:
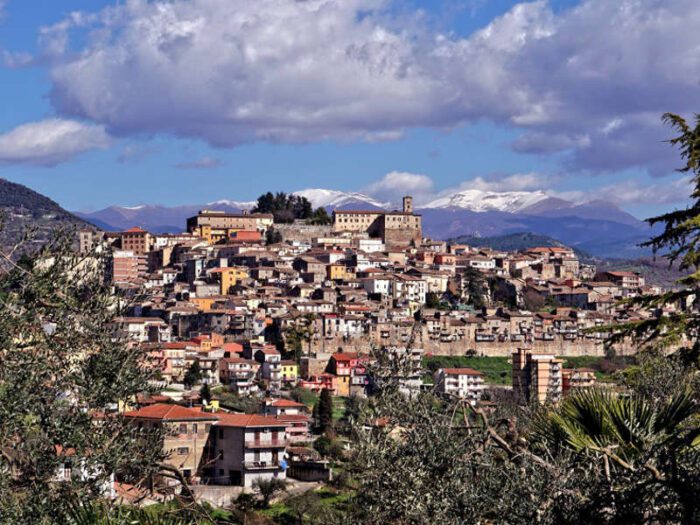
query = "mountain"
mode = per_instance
[
  {"x": 23, "y": 208},
  {"x": 155, "y": 218},
  {"x": 334, "y": 199},
  {"x": 480, "y": 201},
  {"x": 515, "y": 242}
]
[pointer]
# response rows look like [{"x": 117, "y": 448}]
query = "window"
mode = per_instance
[
  {"x": 221, "y": 454},
  {"x": 183, "y": 428},
  {"x": 181, "y": 451},
  {"x": 221, "y": 433},
  {"x": 194, "y": 428}
]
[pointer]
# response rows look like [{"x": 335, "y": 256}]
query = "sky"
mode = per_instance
[{"x": 175, "y": 102}]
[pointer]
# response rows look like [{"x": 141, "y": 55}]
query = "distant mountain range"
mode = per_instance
[
  {"x": 22, "y": 208},
  {"x": 596, "y": 227}
]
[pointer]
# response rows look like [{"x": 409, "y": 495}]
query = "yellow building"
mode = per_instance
[
  {"x": 228, "y": 277},
  {"x": 290, "y": 371},
  {"x": 339, "y": 272}
]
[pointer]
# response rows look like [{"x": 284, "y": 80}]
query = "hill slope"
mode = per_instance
[{"x": 23, "y": 208}]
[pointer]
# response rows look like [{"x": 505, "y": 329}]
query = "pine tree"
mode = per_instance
[
  {"x": 205, "y": 394},
  {"x": 325, "y": 411}
]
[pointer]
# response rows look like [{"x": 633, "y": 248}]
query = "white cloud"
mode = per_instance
[
  {"x": 590, "y": 81},
  {"x": 396, "y": 184},
  {"x": 631, "y": 192},
  {"x": 50, "y": 142},
  {"x": 203, "y": 163}
]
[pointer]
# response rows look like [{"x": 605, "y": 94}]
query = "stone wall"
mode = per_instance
[{"x": 302, "y": 232}]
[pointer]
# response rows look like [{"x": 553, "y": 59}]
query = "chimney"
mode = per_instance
[{"x": 408, "y": 204}]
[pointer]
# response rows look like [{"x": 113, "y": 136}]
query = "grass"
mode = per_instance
[
  {"x": 496, "y": 370},
  {"x": 604, "y": 367},
  {"x": 338, "y": 408}
]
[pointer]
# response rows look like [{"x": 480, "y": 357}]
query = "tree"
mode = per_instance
[
  {"x": 268, "y": 488},
  {"x": 325, "y": 411},
  {"x": 205, "y": 394},
  {"x": 285, "y": 208},
  {"x": 273, "y": 236},
  {"x": 302, "y": 331},
  {"x": 193, "y": 375},
  {"x": 321, "y": 217},
  {"x": 680, "y": 242},
  {"x": 63, "y": 367},
  {"x": 475, "y": 288}
]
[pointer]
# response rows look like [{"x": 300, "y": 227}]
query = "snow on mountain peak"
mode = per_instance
[
  {"x": 480, "y": 200},
  {"x": 333, "y": 198},
  {"x": 243, "y": 205}
]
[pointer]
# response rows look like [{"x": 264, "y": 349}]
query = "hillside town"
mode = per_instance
[{"x": 240, "y": 315}]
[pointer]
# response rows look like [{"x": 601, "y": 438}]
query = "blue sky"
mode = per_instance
[{"x": 190, "y": 101}]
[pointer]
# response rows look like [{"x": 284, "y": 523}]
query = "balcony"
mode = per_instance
[
  {"x": 261, "y": 465},
  {"x": 269, "y": 443}
]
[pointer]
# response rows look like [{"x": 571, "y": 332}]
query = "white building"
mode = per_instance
[{"x": 466, "y": 383}]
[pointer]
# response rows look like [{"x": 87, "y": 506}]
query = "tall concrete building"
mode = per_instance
[{"x": 537, "y": 377}]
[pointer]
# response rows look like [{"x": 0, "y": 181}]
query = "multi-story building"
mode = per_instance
[
  {"x": 247, "y": 447},
  {"x": 128, "y": 267},
  {"x": 465, "y": 383},
  {"x": 293, "y": 414},
  {"x": 537, "y": 377},
  {"x": 240, "y": 374},
  {"x": 394, "y": 228},
  {"x": 577, "y": 378},
  {"x": 216, "y": 226},
  {"x": 186, "y": 433},
  {"x": 136, "y": 240}
]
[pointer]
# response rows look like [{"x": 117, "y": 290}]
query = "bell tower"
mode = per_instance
[{"x": 408, "y": 204}]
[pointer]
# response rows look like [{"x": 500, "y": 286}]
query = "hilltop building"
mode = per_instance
[{"x": 396, "y": 228}]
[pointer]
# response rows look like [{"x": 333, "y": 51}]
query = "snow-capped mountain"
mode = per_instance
[
  {"x": 240, "y": 205},
  {"x": 338, "y": 199},
  {"x": 481, "y": 201}
]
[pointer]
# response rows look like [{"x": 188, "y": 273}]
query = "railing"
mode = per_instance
[
  {"x": 269, "y": 443},
  {"x": 260, "y": 465}
]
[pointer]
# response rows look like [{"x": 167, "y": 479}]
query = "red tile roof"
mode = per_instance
[
  {"x": 167, "y": 412},
  {"x": 247, "y": 420},
  {"x": 285, "y": 403}
]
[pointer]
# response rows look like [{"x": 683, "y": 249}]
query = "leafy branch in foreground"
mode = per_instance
[{"x": 63, "y": 376}]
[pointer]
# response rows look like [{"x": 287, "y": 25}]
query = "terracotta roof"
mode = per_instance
[
  {"x": 166, "y": 412},
  {"x": 285, "y": 403},
  {"x": 247, "y": 420},
  {"x": 135, "y": 229}
]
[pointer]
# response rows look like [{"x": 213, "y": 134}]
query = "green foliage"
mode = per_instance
[
  {"x": 205, "y": 393},
  {"x": 496, "y": 370},
  {"x": 325, "y": 411},
  {"x": 679, "y": 242},
  {"x": 320, "y": 217},
  {"x": 193, "y": 375},
  {"x": 474, "y": 287},
  {"x": 285, "y": 208},
  {"x": 62, "y": 367},
  {"x": 304, "y": 395},
  {"x": 268, "y": 488},
  {"x": 273, "y": 236}
]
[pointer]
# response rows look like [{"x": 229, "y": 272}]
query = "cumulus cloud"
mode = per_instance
[
  {"x": 396, "y": 184},
  {"x": 204, "y": 163},
  {"x": 589, "y": 82},
  {"x": 50, "y": 142}
]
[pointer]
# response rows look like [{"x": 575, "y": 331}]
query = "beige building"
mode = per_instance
[
  {"x": 537, "y": 377},
  {"x": 395, "y": 228},
  {"x": 186, "y": 434},
  {"x": 216, "y": 226}
]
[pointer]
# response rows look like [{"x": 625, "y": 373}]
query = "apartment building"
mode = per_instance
[
  {"x": 537, "y": 376},
  {"x": 136, "y": 240},
  {"x": 128, "y": 267},
  {"x": 577, "y": 378},
  {"x": 465, "y": 383},
  {"x": 246, "y": 447}
]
